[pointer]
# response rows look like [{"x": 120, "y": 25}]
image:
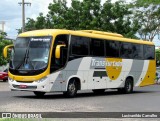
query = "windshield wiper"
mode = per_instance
[
  {"x": 28, "y": 59},
  {"x": 23, "y": 61}
]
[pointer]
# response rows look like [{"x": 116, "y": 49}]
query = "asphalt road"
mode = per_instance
[{"x": 144, "y": 99}]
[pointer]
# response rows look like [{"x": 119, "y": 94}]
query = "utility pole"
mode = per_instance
[
  {"x": 23, "y": 13},
  {"x": 3, "y": 23}
]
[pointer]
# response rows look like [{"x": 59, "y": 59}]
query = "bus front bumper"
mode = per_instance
[{"x": 42, "y": 85}]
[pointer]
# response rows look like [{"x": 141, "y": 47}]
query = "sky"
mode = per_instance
[{"x": 11, "y": 13}]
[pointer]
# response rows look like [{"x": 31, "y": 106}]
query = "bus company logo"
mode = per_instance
[
  {"x": 99, "y": 63},
  {"x": 40, "y": 39},
  {"x": 6, "y": 115}
]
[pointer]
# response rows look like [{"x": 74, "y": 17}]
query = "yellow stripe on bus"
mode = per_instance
[
  {"x": 113, "y": 68},
  {"x": 150, "y": 74},
  {"x": 28, "y": 78}
]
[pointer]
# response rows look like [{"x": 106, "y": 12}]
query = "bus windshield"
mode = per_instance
[{"x": 30, "y": 53}]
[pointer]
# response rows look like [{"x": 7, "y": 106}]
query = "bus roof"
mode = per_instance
[
  {"x": 85, "y": 33},
  {"x": 43, "y": 32}
]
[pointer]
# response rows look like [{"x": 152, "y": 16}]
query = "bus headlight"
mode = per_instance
[
  {"x": 41, "y": 80},
  {"x": 11, "y": 80}
]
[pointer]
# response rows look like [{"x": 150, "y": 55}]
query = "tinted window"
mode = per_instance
[
  {"x": 40, "y": 42},
  {"x": 97, "y": 47},
  {"x": 22, "y": 42},
  {"x": 112, "y": 48},
  {"x": 137, "y": 51},
  {"x": 80, "y": 45},
  {"x": 149, "y": 52},
  {"x": 59, "y": 63},
  {"x": 126, "y": 50}
]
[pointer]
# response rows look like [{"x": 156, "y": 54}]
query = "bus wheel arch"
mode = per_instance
[
  {"x": 128, "y": 85},
  {"x": 72, "y": 87}
]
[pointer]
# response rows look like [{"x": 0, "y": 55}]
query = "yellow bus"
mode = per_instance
[{"x": 56, "y": 60}]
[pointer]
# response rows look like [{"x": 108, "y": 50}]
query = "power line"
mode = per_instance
[{"x": 23, "y": 13}]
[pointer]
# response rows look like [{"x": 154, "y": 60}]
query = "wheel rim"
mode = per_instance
[
  {"x": 128, "y": 87},
  {"x": 72, "y": 88}
]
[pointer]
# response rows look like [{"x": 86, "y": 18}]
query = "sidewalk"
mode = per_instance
[{"x": 4, "y": 86}]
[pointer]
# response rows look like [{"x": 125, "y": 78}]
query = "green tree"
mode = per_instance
[
  {"x": 30, "y": 25},
  {"x": 4, "y": 61},
  {"x": 145, "y": 3},
  {"x": 146, "y": 13},
  {"x": 41, "y": 22},
  {"x": 116, "y": 18},
  {"x": 87, "y": 14},
  {"x": 2, "y": 35},
  {"x": 57, "y": 13},
  {"x": 158, "y": 56},
  {"x": 3, "y": 43}
]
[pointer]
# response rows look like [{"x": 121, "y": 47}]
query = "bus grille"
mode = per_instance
[
  {"x": 27, "y": 87},
  {"x": 25, "y": 81}
]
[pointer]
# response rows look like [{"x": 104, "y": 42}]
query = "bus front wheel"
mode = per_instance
[
  {"x": 39, "y": 94},
  {"x": 72, "y": 89}
]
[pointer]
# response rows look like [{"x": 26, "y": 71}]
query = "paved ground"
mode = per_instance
[{"x": 144, "y": 99}]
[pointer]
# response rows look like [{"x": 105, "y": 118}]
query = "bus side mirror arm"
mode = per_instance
[
  {"x": 58, "y": 51},
  {"x": 6, "y": 49}
]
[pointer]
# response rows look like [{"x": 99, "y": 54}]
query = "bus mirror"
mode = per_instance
[
  {"x": 6, "y": 49},
  {"x": 58, "y": 51}
]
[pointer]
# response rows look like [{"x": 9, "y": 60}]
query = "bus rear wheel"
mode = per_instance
[
  {"x": 71, "y": 89},
  {"x": 128, "y": 87},
  {"x": 39, "y": 94}
]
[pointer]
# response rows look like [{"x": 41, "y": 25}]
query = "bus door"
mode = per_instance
[{"x": 58, "y": 63}]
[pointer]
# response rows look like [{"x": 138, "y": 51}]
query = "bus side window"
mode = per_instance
[
  {"x": 137, "y": 51},
  {"x": 112, "y": 48},
  {"x": 97, "y": 47},
  {"x": 149, "y": 52},
  {"x": 126, "y": 50},
  {"x": 79, "y": 46}
]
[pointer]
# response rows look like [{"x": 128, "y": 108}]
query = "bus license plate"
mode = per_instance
[{"x": 23, "y": 86}]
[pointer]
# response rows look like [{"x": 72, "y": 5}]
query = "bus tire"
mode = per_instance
[
  {"x": 128, "y": 87},
  {"x": 71, "y": 89},
  {"x": 98, "y": 91},
  {"x": 39, "y": 94}
]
